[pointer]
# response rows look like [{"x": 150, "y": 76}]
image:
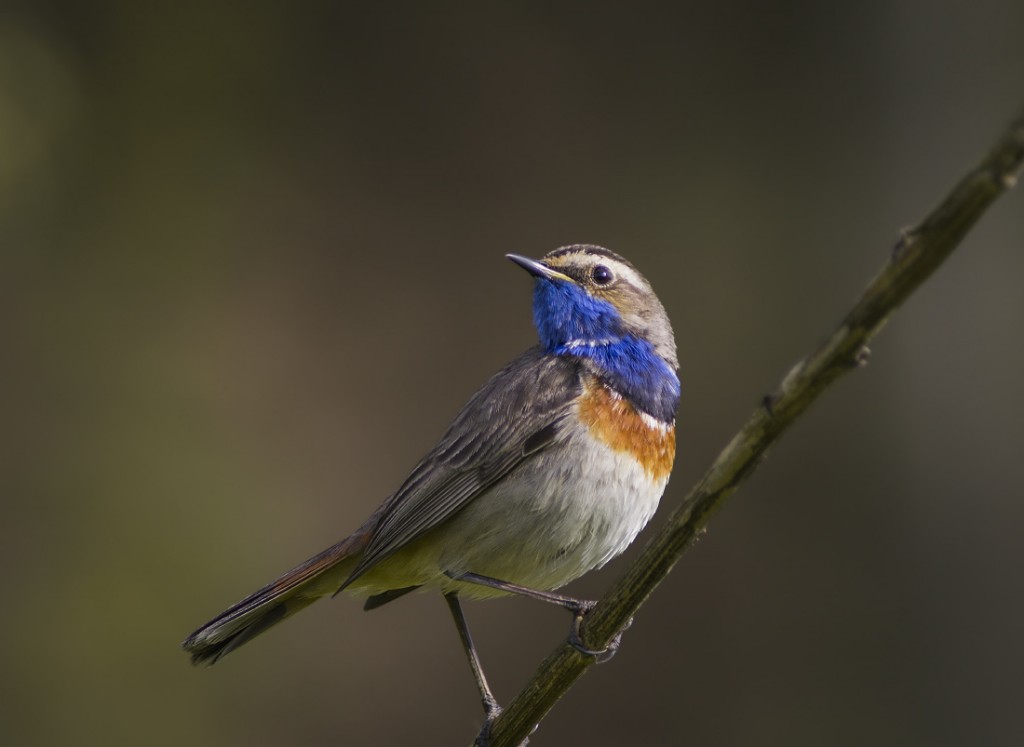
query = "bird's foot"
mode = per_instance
[
  {"x": 603, "y": 654},
  {"x": 483, "y": 739}
]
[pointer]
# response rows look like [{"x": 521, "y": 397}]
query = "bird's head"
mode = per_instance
[{"x": 586, "y": 295}]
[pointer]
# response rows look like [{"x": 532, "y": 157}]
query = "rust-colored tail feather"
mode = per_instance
[{"x": 270, "y": 605}]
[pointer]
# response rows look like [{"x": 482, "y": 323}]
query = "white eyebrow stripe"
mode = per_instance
[{"x": 629, "y": 275}]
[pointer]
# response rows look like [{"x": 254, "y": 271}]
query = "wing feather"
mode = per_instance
[{"x": 516, "y": 414}]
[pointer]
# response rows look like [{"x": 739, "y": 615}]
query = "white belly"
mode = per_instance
[
  {"x": 568, "y": 510},
  {"x": 559, "y": 519}
]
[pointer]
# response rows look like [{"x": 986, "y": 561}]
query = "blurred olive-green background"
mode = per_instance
[{"x": 251, "y": 262}]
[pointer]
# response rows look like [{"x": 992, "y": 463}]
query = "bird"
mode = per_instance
[{"x": 550, "y": 470}]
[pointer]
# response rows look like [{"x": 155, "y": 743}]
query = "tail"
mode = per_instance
[{"x": 294, "y": 591}]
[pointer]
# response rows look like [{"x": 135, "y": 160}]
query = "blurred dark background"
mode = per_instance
[{"x": 251, "y": 262}]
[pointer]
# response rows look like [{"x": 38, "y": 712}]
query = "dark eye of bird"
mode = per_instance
[{"x": 601, "y": 275}]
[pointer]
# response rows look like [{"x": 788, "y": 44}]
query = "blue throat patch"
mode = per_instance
[{"x": 572, "y": 322}]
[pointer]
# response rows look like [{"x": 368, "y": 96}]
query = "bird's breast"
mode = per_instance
[{"x": 615, "y": 421}]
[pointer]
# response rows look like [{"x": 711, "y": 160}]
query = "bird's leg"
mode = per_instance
[
  {"x": 491, "y": 707},
  {"x": 578, "y": 607}
]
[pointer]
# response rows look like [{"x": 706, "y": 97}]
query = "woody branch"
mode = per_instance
[{"x": 917, "y": 254}]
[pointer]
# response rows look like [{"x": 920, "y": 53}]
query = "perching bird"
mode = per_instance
[{"x": 550, "y": 470}]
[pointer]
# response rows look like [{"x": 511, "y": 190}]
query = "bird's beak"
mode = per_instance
[{"x": 537, "y": 269}]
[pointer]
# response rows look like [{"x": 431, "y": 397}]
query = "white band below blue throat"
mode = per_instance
[{"x": 575, "y": 344}]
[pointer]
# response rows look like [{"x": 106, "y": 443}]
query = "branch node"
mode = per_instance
[{"x": 907, "y": 238}]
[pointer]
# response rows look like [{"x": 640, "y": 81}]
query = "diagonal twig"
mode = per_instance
[{"x": 917, "y": 254}]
